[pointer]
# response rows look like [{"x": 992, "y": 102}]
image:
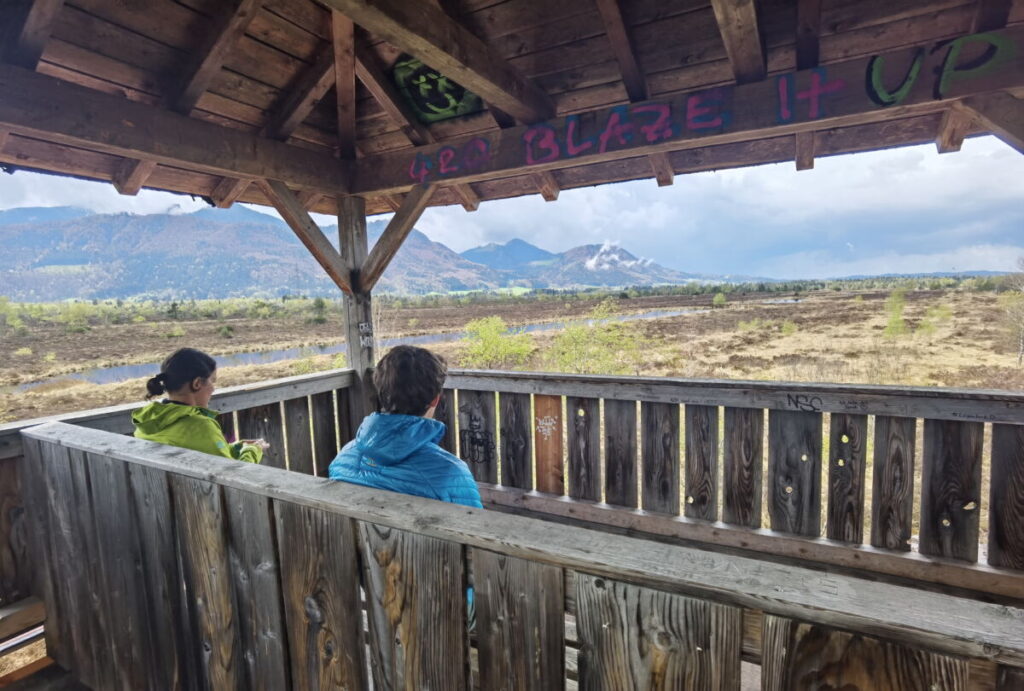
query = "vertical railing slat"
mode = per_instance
[
  {"x": 320, "y": 587},
  {"x": 743, "y": 459},
  {"x": 547, "y": 438},
  {"x": 416, "y": 605},
  {"x": 659, "y": 443},
  {"x": 584, "y": 448},
  {"x": 15, "y": 565},
  {"x": 516, "y": 441},
  {"x": 701, "y": 462},
  {"x": 1006, "y": 498},
  {"x": 892, "y": 494},
  {"x": 951, "y": 489},
  {"x": 794, "y": 471},
  {"x": 620, "y": 466},
  {"x": 445, "y": 413},
  {"x": 264, "y": 422},
  {"x": 846, "y": 465},
  {"x": 520, "y": 622},
  {"x": 325, "y": 437},
  {"x": 633, "y": 637},
  {"x": 299, "y": 435},
  {"x": 477, "y": 434},
  {"x": 227, "y": 426}
]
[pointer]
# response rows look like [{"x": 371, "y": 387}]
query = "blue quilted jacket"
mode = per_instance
[{"x": 400, "y": 453}]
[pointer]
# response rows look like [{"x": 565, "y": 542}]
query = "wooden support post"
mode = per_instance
[
  {"x": 393, "y": 237},
  {"x": 131, "y": 175},
  {"x": 737, "y": 21},
  {"x": 957, "y": 121},
  {"x": 804, "y": 150},
  {"x": 358, "y": 308},
  {"x": 294, "y": 214},
  {"x": 1002, "y": 115}
]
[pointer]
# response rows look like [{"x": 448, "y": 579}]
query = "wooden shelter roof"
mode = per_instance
[{"x": 208, "y": 96}]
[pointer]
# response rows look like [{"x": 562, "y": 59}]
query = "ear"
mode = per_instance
[
  {"x": 197, "y": 383},
  {"x": 437, "y": 400}
]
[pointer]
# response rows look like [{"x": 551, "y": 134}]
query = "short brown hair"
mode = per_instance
[{"x": 408, "y": 379}]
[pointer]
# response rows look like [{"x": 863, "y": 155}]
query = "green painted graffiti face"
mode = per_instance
[{"x": 433, "y": 96}]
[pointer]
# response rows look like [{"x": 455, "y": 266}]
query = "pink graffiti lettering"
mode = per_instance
[
  {"x": 819, "y": 88},
  {"x": 704, "y": 111},
  {"x": 784, "y": 84},
  {"x": 445, "y": 158},
  {"x": 661, "y": 127},
  {"x": 473, "y": 155},
  {"x": 419, "y": 169},
  {"x": 476, "y": 153},
  {"x": 543, "y": 137},
  {"x": 571, "y": 146},
  {"x": 615, "y": 127}
]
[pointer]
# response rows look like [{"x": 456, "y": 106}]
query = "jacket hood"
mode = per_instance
[
  {"x": 389, "y": 438},
  {"x": 158, "y": 416}
]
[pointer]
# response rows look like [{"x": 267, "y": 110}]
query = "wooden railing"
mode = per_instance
[
  {"x": 164, "y": 568},
  {"x": 705, "y": 460}
]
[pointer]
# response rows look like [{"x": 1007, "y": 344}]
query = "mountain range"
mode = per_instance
[{"x": 56, "y": 253}]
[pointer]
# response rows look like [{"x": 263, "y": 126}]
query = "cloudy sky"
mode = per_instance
[{"x": 903, "y": 210}]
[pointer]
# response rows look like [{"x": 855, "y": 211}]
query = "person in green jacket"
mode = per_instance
[{"x": 183, "y": 418}]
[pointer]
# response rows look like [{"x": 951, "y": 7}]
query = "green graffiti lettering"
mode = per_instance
[
  {"x": 998, "y": 49},
  {"x": 876, "y": 88},
  {"x": 432, "y": 95}
]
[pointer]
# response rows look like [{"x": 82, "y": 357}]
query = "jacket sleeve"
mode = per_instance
[
  {"x": 250, "y": 453},
  {"x": 205, "y": 434}
]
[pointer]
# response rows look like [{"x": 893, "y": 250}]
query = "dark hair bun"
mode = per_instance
[
  {"x": 180, "y": 368},
  {"x": 155, "y": 385}
]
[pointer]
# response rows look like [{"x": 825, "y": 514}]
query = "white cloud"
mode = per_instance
[{"x": 967, "y": 258}]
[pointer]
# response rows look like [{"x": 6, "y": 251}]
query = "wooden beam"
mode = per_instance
[
  {"x": 373, "y": 77},
  {"x": 393, "y": 236},
  {"x": 132, "y": 175},
  {"x": 469, "y": 199},
  {"x": 737, "y": 22},
  {"x": 991, "y": 15},
  {"x": 300, "y": 100},
  {"x": 547, "y": 185},
  {"x": 423, "y": 30},
  {"x": 298, "y": 219},
  {"x": 29, "y": 39},
  {"x": 309, "y": 199},
  {"x": 19, "y": 616},
  {"x": 344, "y": 41},
  {"x": 808, "y": 28},
  {"x": 804, "y": 150},
  {"x": 1002, "y": 115},
  {"x": 51, "y": 109},
  {"x": 956, "y": 123},
  {"x": 632, "y": 77},
  {"x": 4, "y": 134},
  {"x": 227, "y": 192},
  {"x": 662, "y": 167},
  {"x": 230, "y": 26},
  {"x": 855, "y": 92}
]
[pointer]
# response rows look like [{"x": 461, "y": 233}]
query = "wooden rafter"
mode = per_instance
[
  {"x": 804, "y": 150},
  {"x": 4, "y": 134},
  {"x": 808, "y": 30},
  {"x": 230, "y": 27},
  {"x": 990, "y": 15},
  {"x": 737, "y": 22},
  {"x": 425, "y": 31},
  {"x": 50, "y": 109},
  {"x": 299, "y": 220},
  {"x": 957, "y": 122},
  {"x": 131, "y": 175},
  {"x": 662, "y": 167},
  {"x": 227, "y": 192},
  {"x": 343, "y": 39},
  {"x": 393, "y": 236},
  {"x": 547, "y": 185},
  {"x": 29, "y": 38},
  {"x": 1002, "y": 115},
  {"x": 300, "y": 100}
]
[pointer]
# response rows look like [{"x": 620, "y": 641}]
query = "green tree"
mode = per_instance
[
  {"x": 492, "y": 346},
  {"x": 319, "y": 311},
  {"x": 894, "y": 304},
  {"x": 718, "y": 300}
]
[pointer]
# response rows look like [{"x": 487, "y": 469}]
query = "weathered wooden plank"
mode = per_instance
[
  {"x": 797, "y": 655},
  {"x": 659, "y": 444},
  {"x": 892, "y": 496},
  {"x": 1006, "y": 498},
  {"x": 701, "y": 462},
  {"x": 264, "y": 422},
  {"x": 1009, "y": 678},
  {"x": 620, "y": 464},
  {"x": 638, "y": 638},
  {"x": 151, "y": 503},
  {"x": 320, "y": 584},
  {"x": 742, "y": 456},
  {"x": 737, "y": 22},
  {"x": 134, "y": 651},
  {"x": 213, "y": 640},
  {"x": 584, "y": 430},
  {"x": 516, "y": 441},
  {"x": 951, "y": 489},
  {"x": 32, "y": 30},
  {"x": 794, "y": 472},
  {"x": 20, "y": 616},
  {"x": 846, "y": 465},
  {"x": 1002, "y": 115},
  {"x": 955, "y": 625},
  {"x": 547, "y": 440},
  {"x": 227, "y": 426},
  {"x": 476, "y": 434},
  {"x": 520, "y": 613},
  {"x": 445, "y": 412},
  {"x": 325, "y": 440},
  {"x": 347, "y": 424},
  {"x": 15, "y": 565},
  {"x": 255, "y": 577},
  {"x": 299, "y": 433},
  {"x": 416, "y": 603}
]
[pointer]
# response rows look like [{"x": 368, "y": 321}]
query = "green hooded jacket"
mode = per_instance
[{"x": 190, "y": 427}]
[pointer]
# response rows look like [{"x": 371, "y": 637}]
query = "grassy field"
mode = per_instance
[{"x": 945, "y": 338}]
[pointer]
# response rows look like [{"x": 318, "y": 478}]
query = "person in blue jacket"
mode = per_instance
[{"x": 397, "y": 448}]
